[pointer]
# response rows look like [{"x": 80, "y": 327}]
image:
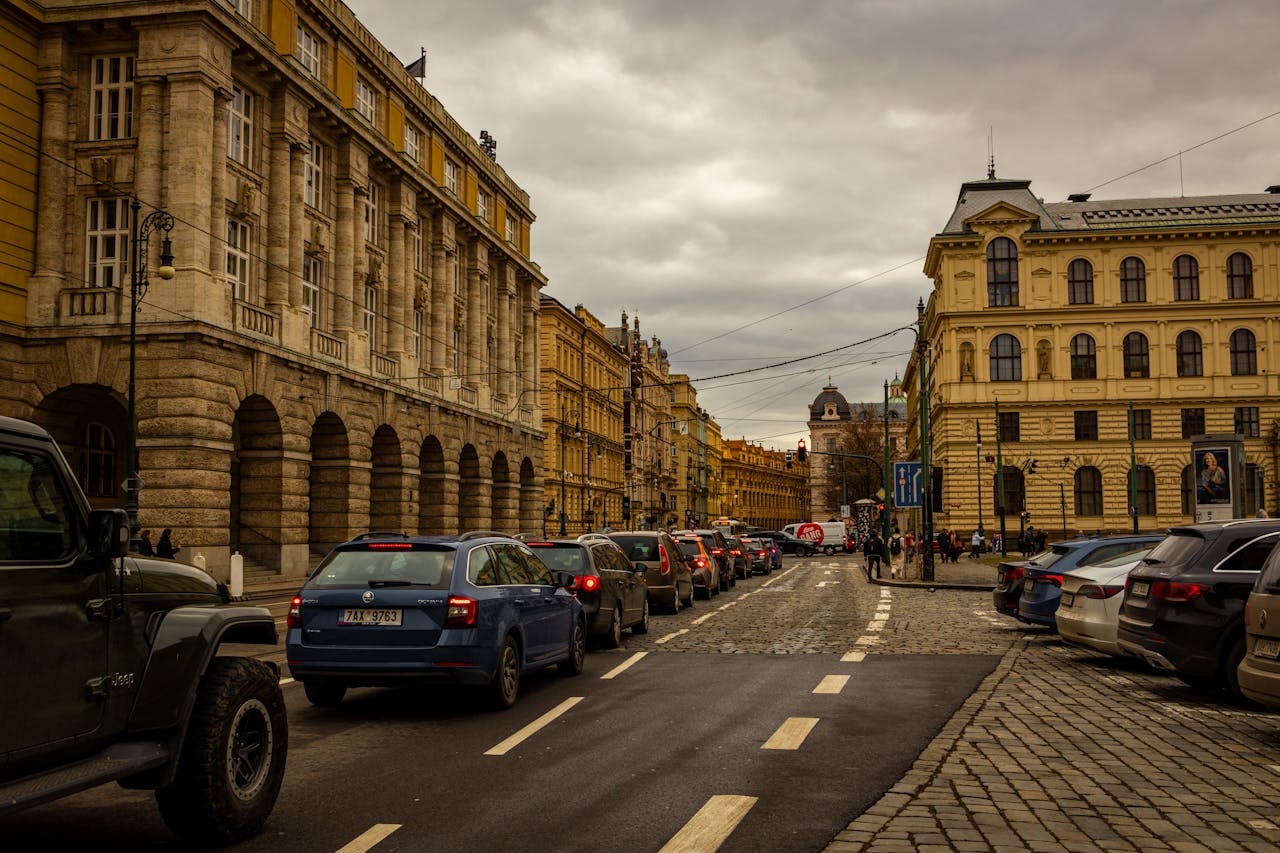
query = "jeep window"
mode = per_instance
[
  {"x": 1250, "y": 557},
  {"x": 371, "y": 567},
  {"x": 35, "y": 524}
]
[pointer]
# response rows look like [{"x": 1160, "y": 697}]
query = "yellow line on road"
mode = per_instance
[
  {"x": 702, "y": 619},
  {"x": 853, "y": 657},
  {"x": 671, "y": 636},
  {"x": 831, "y": 684},
  {"x": 369, "y": 838},
  {"x": 622, "y": 667},
  {"x": 708, "y": 829},
  {"x": 534, "y": 727},
  {"x": 791, "y": 733}
]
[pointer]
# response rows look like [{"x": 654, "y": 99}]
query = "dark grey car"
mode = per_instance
[{"x": 666, "y": 574}]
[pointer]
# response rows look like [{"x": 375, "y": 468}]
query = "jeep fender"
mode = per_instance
[{"x": 185, "y": 642}]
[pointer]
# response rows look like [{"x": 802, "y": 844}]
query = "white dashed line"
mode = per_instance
[
  {"x": 369, "y": 838},
  {"x": 711, "y": 826},
  {"x": 623, "y": 667},
  {"x": 831, "y": 684},
  {"x": 533, "y": 728},
  {"x": 671, "y": 636},
  {"x": 791, "y": 733}
]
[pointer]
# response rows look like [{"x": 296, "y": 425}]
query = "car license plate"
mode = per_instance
[
  {"x": 1068, "y": 598},
  {"x": 1140, "y": 589},
  {"x": 1267, "y": 648},
  {"x": 368, "y": 616},
  {"x": 1028, "y": 585}
]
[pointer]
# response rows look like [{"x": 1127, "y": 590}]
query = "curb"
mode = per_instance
[{"x": 934, "y": 585}]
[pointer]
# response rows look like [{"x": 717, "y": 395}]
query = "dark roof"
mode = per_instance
[{"x": 829, "y": 395}]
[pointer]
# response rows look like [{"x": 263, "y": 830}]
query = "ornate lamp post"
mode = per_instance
[{"x": 140, "y": 248}]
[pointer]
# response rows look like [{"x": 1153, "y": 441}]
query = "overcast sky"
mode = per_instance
[{"x": 758, "y": 181}]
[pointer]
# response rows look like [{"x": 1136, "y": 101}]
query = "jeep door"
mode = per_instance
[{"x": 54, "y": 611}]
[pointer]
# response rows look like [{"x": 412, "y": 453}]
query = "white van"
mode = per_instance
[{"x": 829, "y": 537}]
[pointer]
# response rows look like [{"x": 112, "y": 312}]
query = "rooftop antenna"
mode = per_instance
[{"x": 991, "y": 152}]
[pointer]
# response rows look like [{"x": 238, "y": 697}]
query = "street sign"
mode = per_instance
[{"x": 908, "y": 485}]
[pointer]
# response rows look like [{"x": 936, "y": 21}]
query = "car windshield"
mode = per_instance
[
  {"x": 690, "y": 549},
  {"x": 378, "y": 567},
  {"x": 560, "y": 557},
  {"x": 638, "y": 548},
  {"x": 1179, "y": 548}
]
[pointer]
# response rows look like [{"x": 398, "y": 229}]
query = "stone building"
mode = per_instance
[
  {"x": 1073, "y": 315},
  {"x": 694, "y": 428},
  {"x": 585, "y": 375},
  {"x": 760, "y": 489},
  {"x": 350, "y": 339},
  {"x": 841, "y": 437}
]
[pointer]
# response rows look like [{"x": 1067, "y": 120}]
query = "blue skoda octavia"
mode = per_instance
[{"x": 385, "y": 609}]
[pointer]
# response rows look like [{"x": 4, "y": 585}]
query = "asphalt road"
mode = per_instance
[{"x": 753, "y": 722}]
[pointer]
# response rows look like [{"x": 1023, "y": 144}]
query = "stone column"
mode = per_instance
[
  {"x": 297, "y": 221},
  {"x": 476, "y": 330},
  {"x": 412, "y": 224},
  {"x": 506, "y": 357},
  {"x": 439, "y": 311},
  {"x": 344, "y": 262},
  {"x": 218, "y": 183},
  {"x": 396, "y": 289},
  {"x": 53, "y": 192},
  {"x": 278, "y": 192},
  {"x": 190, "y": 165},
  {"x": 148, "y": 178},
  {"x": 529, "y": 322}
]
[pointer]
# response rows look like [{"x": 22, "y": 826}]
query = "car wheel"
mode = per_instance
[
  {"x": 324, "y": 694},
  {"x": 233, "y": 757},
  {"x": 614, "y": 638},
  {"x": 572, "y": 665},
  {"x": 642, "y": 627},
  {"x": 829, "y": 551},
  {"x": 506, "y": 681},
  {"x": 688, "y": 602}
]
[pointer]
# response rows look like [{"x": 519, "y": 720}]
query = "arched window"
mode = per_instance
[
  {"x": 1133, "y": 280},
  {"x": 1015, "y": 491},
  {"x": 1190, "y": 355},
  {"x": 1146, "y": 491},
  {"x": 1002, "y": 272},
  {"x": 1188, "y": 491},
  {"x": 98, "y": 462},
  {"x": 1084, "y": 357},
  {"x": 1006, "y": 359},
  {"x": 1088, "y": 491},
  {"x": 1244, "y": 353},
  {"x": 1137, "y": 358},
  {"x": 1239, "y": 276},
  {"x": 1080, "y": 282},
  {"x": 1186, "y": 278}
]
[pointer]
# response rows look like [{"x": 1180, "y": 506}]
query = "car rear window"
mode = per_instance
[
  {"x": 639, "y": 548},
  {"x": 417, "y": 566},
  {"x": 1180, "y": 548},
  {"x": 560, "y": 556},
  {"x": 690, "y": 549},
  {"x": 1045, "y": 559}
]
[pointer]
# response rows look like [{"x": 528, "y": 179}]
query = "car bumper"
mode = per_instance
[
  {"x": 1259, "y": 678},
  {"x": 393, "y": 666},
  {"x": 1090, "y": 630}
]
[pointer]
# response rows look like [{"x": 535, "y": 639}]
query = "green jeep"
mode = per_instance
[{"x": 109, "y": 663}]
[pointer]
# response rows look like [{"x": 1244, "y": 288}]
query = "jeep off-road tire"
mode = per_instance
[{"x": 233, "y": 756}]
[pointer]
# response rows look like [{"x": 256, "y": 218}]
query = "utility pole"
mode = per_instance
[
  {"x": 977, "y": 425},
  {"x": 1133, "y": 475},
  {"x": 886, "y": 474},
  {"x": 1004, "y": 537},
  {"x": 926, "y": 467}
]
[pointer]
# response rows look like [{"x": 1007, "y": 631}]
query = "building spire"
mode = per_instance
[{"x": 991, "y": 152}]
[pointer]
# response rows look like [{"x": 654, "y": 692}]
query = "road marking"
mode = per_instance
[
  {"x": 622, "y": 667},
  {"x": 702, "y": 619},
  {"x": 791, "y": 733},
  {"x": 884, "y": 606},
  {"x": 708, "y": 829},
  {"x": 866, "y": 641},
  {"x": 286, "y": 680},
  {"x": 831, "y": 684},
  {"x": 671, "y": 636},
  {"x": 821, "y": 584},
  {"x": 778, "y": 578},
  {"x": 876, "y": 625},
  {"x": 853, "y": 657},
  {"x": 369, "y": 838},
  {"x": 534, "y": 727}
]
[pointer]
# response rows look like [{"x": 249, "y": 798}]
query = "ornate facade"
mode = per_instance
[
  {"x": 759, "y": 488},
  {"x": 350, "y": 340},
  {"x": 1075, "y": 318},
  {"x": 841, "y": 435}
]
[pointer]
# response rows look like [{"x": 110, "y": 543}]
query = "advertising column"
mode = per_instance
[{"x": 1217, "y": 466}]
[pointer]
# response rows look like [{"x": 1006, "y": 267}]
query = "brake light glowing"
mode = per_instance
[
  {"x": 1177, "y": 592},
  {"x": 588, "y": 583},
  {"x": 1056, "y": 580},
  {"x": 700, "y": 563},
  {"x": 666, "y": 563},
  {"x": 735, "y": 552},
  {"x": 461, "y": 613},
  {"x": 294, "y": 619},
  {"x": 385, "y": 546}
]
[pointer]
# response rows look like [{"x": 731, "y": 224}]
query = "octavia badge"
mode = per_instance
[{"x": 367, "y": 597}]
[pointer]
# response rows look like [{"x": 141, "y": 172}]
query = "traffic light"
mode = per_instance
[
  {"x": 991, "y": 459},
  {"x": 800, "y": 451},
  {"x": 790, "y": 456}
]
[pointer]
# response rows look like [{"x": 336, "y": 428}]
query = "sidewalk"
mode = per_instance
[{"x": 967, "y": 574}]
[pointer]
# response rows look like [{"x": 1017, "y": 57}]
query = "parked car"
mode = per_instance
[
  {"x": 1259, "y": 672},
  {"x": 1183, "y": 606},
  {"x": 1042, "y": 584},
  {"x": 389, "y": 609},
  {"x": 775, "y": 553},
  {"x": 1091, "y": 598},
  {"x": 612, "y": 590},
  {"x": 718, "y": 548},
  {"x": 703, "y": 566},
  {"x": 759, "y": 560},
  {"x": 666, "y": 575},
  {"x": 787, "y": 543},
  {"x": 829, "y": 537},
  {"x": 738, "y": 556}
]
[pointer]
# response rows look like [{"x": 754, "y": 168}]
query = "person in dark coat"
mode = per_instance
[
  {"x": 166, "y": 547},
  {"x": 145, "y": 548},
  {"x": 873, "y": 548}
]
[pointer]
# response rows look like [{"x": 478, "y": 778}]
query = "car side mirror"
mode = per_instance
[{"x": 108, "y": 534}]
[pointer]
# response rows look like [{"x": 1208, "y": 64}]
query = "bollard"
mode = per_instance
[
  {"x": 237, "y": 575},
  {"x": 199, "y": 561}
]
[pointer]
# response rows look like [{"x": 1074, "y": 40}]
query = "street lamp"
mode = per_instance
[
  {"x": 588, "y": 513},
  {"x": 140, "y": 246},
  {"x": 978, "y": 426},
  {"x": 564, "y": 471}
]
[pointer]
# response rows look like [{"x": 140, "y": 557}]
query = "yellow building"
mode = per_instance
[
  {"x": 349, "y": 339},
  {"x": 760, "y": 489},
  {"x": 1073, "y": 317},
  {"x": 584, "y": 377},
  {"x": 693, "y": 429}
]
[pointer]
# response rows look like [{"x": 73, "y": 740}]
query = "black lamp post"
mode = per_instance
[
  {"x": 139, "y": 249},
  {"x": 564, "y": 470}
]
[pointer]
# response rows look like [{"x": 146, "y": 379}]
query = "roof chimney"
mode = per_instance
[{"x": 1079, "y": 197}]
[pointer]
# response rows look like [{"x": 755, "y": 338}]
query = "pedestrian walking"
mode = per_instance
[
  {"x": 976, "y": 545},
  {"x": 166, "y": 547},
  {"x": 872, "y": 549},
  {"x": 1041, "y": 539},
  {"x": 145, "y": 548},
  {"x": 895, "y": 554},
  {"x": 909, "y": 547},
  {"x": 955, "y": 548}
]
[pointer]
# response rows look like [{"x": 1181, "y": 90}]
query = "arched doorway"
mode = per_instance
[
  {"x": 506, "y": 509},
  {"x": 330, "y": 484},
  {"x": 432, "y": 510},
  {"x": 531, "y": 512},
  {"x": 257, "y": 478},
  {"x": 91, "y": 425},
  {"x": 386, "y": 492},
  {"x": 472, "y": 509}
]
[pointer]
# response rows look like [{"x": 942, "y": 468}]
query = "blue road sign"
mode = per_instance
[{"x": 908, "y": 485}]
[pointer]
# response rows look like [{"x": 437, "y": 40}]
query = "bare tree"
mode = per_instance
[{"x": 863, "y": 436}]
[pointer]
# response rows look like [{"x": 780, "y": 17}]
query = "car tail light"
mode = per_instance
[
  {"x": 588, "y": 583},
  {"x": 462, "y": 612},
  {"x": 1013, "y": 573},
  {"x": 763, "y": 555},
  {"x": 666, "y": 563},
  {"x": 1093, "y": 590},
  {"x": 716, "y": 552},
  {"x": 700, "y": 563},
  {"x": 294, "y": 619},
  {"x": 1056, "y": 580},
  {"x": 386, "y": 546},
  {"x": 735, "y": 552},
  {"x": 1175, "y": 591}
]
